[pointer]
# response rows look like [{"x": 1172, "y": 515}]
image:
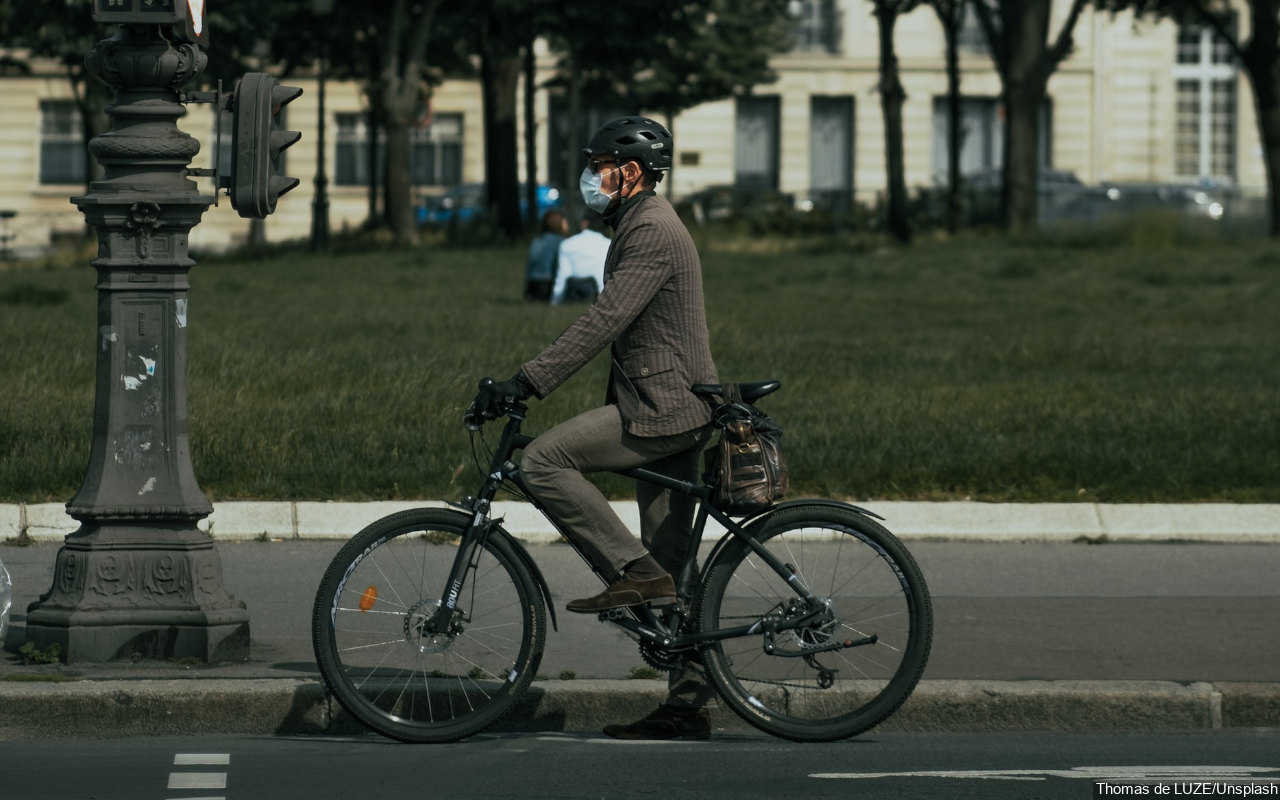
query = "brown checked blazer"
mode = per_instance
[{"x": 651, "y": 311}]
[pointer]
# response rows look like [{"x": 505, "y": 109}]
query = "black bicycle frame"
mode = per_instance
[{"x": 502, "y": 468}]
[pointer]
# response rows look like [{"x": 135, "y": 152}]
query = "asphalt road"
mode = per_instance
[
  {"x": 1004, "y": 611},
  {"x": 568, "y": 767}
]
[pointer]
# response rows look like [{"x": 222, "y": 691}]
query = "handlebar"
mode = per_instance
[{"x": 474, "y": 418}]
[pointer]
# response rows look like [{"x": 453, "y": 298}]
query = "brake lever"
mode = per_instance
[{"x": 471, "y": 420}]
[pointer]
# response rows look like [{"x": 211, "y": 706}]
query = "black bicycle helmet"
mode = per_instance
[{"x": 634, "y": 139}]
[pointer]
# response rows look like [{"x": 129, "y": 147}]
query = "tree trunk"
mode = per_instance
[
  {"x": 1021, "y": 156},
  {"x": 501, "y": 76},
  {"x": 670, "y": 114},
  {"x": 1262, "y": 65},
  {"x": 399, "y": 208},
  {"x": 892, "y": 98},
  {"x": 1269, "y": 130},
  {"x": 374, "y": 124},
  {"x": 1026, "y": 81},
  {"x": 573, "y": 161},
  {"x": 404, "y": 95},
  {"x": 950, "y": 25},
  {"x": 530, "y": 140}
]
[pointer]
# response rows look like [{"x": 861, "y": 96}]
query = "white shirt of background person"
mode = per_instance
[{"x": 581, "y": 256}]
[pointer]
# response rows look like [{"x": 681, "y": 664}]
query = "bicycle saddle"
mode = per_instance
[{"x": 751, "y": 391}]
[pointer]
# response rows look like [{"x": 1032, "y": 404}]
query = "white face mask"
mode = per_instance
[{"x": 589, "y": 185}]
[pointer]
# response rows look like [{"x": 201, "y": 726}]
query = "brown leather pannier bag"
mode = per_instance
[{"x": 746, "y": 468}]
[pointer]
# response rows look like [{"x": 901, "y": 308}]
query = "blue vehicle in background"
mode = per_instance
[{"x": 466, "y": 205}]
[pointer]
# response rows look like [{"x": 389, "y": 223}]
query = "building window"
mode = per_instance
[
  {"x": 831, "y": 145},
  {"x": 971, "y": 37},
  {"x": 62, "y": 150},
  {"x": 817, "y": 27},
  {"x": 756, "y": 143},
  {"x": 1205, "y": 124},
  {"x": 435, "y": 151},
  {"x": 352, "y": 153},
  {"x": 982, "y": 135}
]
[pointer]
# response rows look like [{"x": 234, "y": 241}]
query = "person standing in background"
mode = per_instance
[
  {"x": 540, "y": 270},
  {"x": 580, "y": 274}
]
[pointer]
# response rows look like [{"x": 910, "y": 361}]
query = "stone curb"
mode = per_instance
[
  {"x": 126, "y": 708},
  {"x": 994, "y": 522}
]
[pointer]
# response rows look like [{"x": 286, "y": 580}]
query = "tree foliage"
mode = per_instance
[
  {"x": 705, "y": 51},
  {"x": 663, "y": 56}
]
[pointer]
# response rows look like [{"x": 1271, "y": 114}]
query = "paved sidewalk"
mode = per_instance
[
  {"x": 1036, "y": 628},
  {"x": 1207, "y": 522}
]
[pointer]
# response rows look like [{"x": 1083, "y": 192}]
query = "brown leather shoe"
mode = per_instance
[
  {"x": 667, "y": 722},
  {"x": 626, "y": 592}
]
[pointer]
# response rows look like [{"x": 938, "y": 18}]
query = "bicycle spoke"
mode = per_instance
[
  {"x": 390, "y": 658},
  {"x": 811, "y": 685}
]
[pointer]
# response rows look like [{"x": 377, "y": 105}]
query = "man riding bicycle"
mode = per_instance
[{"x": 651, "y": 314}]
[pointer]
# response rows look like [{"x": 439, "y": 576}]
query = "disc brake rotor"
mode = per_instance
[{"x": 415, "y": 633}]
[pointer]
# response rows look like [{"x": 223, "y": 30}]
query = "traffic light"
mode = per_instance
[{"x": 257, "y": 141}]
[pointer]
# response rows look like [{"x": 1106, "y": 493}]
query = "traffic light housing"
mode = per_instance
[{"x": 257, "y": 142}]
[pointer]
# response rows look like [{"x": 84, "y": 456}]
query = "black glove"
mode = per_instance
[{"x": 493, "y": 396}]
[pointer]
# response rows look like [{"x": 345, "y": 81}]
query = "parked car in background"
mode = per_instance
[
  {"x": 1110, "y": 201},
  {"x": 468, "y": 204},
  {"x": 724, "y": 202},
  {"x": 980, "y": 199}
]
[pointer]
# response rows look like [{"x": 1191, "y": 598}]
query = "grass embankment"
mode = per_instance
[{"x": 1045, "y": 370}]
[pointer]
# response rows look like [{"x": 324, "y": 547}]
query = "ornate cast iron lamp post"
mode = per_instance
[{"x": 139, "y": 579}]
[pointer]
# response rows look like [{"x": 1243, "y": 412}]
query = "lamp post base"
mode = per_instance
[{"x": 139, "y": 591}]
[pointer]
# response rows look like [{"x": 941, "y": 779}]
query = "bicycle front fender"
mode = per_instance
[
  {"x": 522, "y": 553},
  {"x": 518, "y": 548}
]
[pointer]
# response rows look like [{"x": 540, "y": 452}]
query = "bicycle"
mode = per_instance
[{"x": 813, "y": 620}]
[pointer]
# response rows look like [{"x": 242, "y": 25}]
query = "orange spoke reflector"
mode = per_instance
[{"x": 369, "y": 597}]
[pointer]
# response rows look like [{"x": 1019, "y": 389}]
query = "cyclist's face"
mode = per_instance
[{"x": 614, "y": 175}]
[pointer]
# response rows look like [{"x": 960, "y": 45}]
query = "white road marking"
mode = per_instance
[
  {"x": 619, "y": 742},
  {"x": 1148, "y": 773},
  {"x": 202, "y": 759},
  {"x": 199, "y": 780}
]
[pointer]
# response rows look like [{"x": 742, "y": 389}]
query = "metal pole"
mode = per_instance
[
  {"x": 139, "y": 579},
  {"x": 320, "y": 206}
]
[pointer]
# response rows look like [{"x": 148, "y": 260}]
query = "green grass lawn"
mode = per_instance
[{"x": 1044, "y": 370}]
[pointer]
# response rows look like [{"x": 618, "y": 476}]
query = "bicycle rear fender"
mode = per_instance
[{"x": 756, "y": 520}]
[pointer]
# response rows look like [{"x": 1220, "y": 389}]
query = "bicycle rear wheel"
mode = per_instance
[
  {"x": 376, "y": 654},
  {"x": 851, "y": 665}
]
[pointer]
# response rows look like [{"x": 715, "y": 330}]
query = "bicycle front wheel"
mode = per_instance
[
  {"x": 846, "y": 666},
  {"x": 375, "y": 646}
]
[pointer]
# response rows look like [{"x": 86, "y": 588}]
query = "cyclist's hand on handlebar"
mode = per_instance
[{"x": 493, "y": 397}]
